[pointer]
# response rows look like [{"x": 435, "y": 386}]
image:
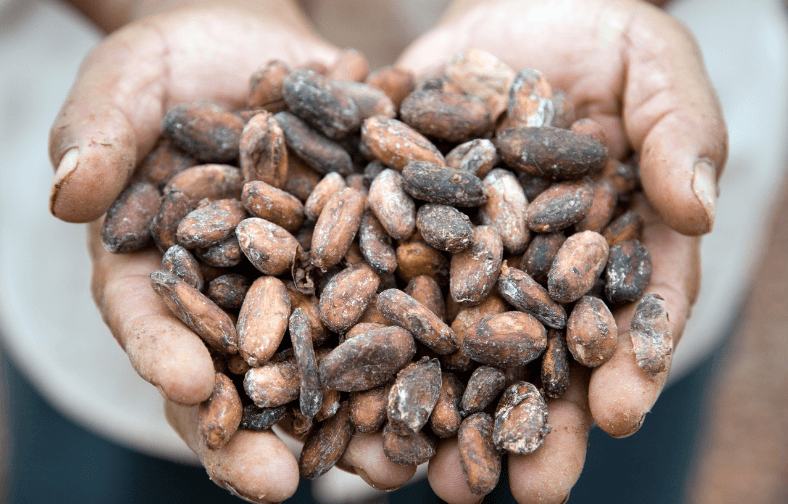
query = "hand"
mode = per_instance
[
  {"x": 109, "y": 121},
  {"x": 637, "y": 71}
]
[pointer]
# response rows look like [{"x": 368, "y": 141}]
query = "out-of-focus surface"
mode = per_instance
[
  {"x": 744, "y": 452},
  {"x": 49, "y": 325}
]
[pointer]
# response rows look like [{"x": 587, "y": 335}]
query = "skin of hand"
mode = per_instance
[
  {"x": 109, "y": 121},
  {"x": 638, "y": 71}
]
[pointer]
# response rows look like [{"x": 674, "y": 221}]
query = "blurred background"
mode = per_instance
[{"x": 74, "y": 413}]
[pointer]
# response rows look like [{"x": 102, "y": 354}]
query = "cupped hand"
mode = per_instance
[
  {"x": 109, "y": 121},
  {"x": 637, "y": 71}
]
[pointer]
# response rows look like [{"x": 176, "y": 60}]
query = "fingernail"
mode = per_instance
[
  {"x": 634, "y": 429},
  {"x": 704, "y": 185},
  {"x": 68, "y": 163}
]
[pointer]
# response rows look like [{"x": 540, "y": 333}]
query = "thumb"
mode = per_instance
[{"x": 674, "y": 120}]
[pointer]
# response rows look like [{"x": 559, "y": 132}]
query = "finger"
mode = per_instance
[
  {"x": 635, "y": 69},
  {"x": 364, "y": 456},
  {"x": 445, "y": 475},
  {"x": 161, "y": 349},
  {"x": 548, "y": 474},
  {"x": 255, "y": 466},
  {"x": 620, "y": 392},
  {"x": 111, "y": 116},
  {"x": 674, "y": 119}
]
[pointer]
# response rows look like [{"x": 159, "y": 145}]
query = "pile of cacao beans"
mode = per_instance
[{"x": 368, "y": 251}]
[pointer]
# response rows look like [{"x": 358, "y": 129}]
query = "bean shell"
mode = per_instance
[
  {"x": 370, "y": 100},
  {"x": 397, "y": 144},
  {"x": 262, "y": 321},
  {"x": 530, "y": 100},
  {"x": 475, "y": 156},
  {"x": 521, "y": 422},
  {"x": 440, "y": 184},
  {"x": 560, "y": 206},
  {"x": 506, "y": 340},
  {"x": 525, "y": 294},
  {"x": 479, "y": 73},
  {"x": 274, "y": 383},
  {"x": 555, "y": 365},
  {"x": 229, "y": 291},
  {"x": 368, "y": 360},
  {"x": 483, "y": 387},
  {"x": 540, "y": 254},
  {"x": 336, "y": 227},
  {"x": 270, "y": 248},
  {"x": 652, "y": 340},
  {"x": 259, "y": 419},
  {"x": 326, "y": 444},
  {"x": 413, "y": 396},
  {"x": 210, "y": 223},
  {"x": 263, "y": 152},
  {"x": 628, "y": 226},
  {"x": 318, "y": 152},
  {"x": 628, "y": 272},
  {"x": 590, "y": 128},
  {"x": 591, "y": 332},
  {"x": 350, "y": 65},
  {"x": 225, "y": 254},
  {"x": 601, "y": 210},
  {"x": 564, "y": 107},
  {"x": 444, "y": 228},
  {"x": 162, "y": 163},
  {"x": 415, "y": 258},
  {"x": 396, "y": 82},
  {"x": 265, "y": 85},
  {"x": 579, "y": 262},
  {"x": 475, "y": 270},
  {"x": 466, "y": 320},
  {"x": 316, "y": 100},
  {"x": 195, "y": 310},
  {"x": 479, "y": 458},
  {"x": 209, "y": 181},
  {"x": 425, "y": 326},
  {"x": 449, "y": 116},
  {"x": 328, "y": 185},
  {"x": 393, "y": 207},
  {"x": 126, "y": 228},
  {"x": 376, "y": 246},
  {"x": 551, "y": 152},
  {"x": 180, "y": 262},
  {"x": 346, "y": 297},
  {"x": 204, "y": 130},
  {"x": 220, "y": 415},
  {"x": 409, "y": 449},
  {"x": 368, "y": 408},
  {"x": 426, "y": 291},
  {"x": 506, "y": 209},
  {"x": 274, "y": 205},
  {"x": 173, "y": 207},
  {"x": 446, "y": 416},
  {"x": 310, "y": 392}
]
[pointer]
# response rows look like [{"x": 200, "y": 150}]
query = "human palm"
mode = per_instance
[
  {"x": 624, "y": 63},
  {"x": 638, "y": 72}
]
